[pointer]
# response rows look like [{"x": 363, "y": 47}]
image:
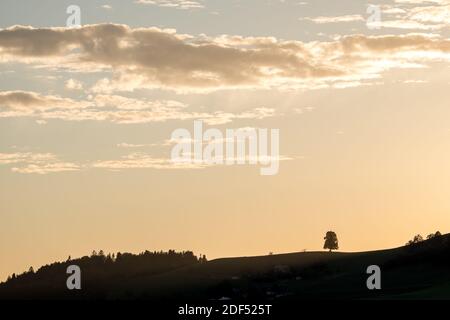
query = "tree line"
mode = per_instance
[{"x": 118, "y": 263}]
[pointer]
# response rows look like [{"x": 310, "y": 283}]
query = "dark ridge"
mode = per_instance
[{"x": 421, "y": 269}]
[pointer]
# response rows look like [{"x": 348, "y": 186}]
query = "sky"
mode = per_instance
[{"x": 359, "y": 92}]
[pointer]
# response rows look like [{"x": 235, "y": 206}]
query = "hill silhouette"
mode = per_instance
[{"x": 416, "y": 271}]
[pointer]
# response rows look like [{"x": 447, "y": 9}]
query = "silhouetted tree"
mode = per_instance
[
  {"x": 417, "y": 239},
  {"x": 331, "y": 241},
  {"x": 437, "y": 234},
  {"x": 31, "y": 270}
]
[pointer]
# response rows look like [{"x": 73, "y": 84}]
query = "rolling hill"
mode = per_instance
[{"x": 416, "y": 271}]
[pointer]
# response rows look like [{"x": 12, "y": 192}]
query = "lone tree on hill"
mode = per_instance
[{"x": 331, "y": 241}]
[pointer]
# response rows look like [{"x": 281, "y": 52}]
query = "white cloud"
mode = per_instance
[
  {"x": 178, "y": 4},
  {"x": 73, "y": 84},
  {"x": 439, "y": 15},
  {"x": 335, "y": 19},
  {"x": 416, "y": 15},
  {"x": 422, "y": 1},
  {"x": 412, "y": 81},
  {"x": 404, "y": 14},
  {"x": 130, "y": 145}
]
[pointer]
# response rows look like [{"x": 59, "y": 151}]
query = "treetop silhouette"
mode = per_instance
[{"x": 331, "y": 241}]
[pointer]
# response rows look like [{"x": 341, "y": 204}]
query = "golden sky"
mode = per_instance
[{"x": 360, "y": 98}]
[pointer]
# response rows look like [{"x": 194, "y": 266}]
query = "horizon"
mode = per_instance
[
  {"x": 92, "y": 94},
  {"x": 107, "y": 253},
  {"x": 36, "y": 268}
]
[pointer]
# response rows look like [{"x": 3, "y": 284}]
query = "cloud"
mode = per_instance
[
  {"x": 39, "y": 163},
  {"x": 47, "y": 168},
  {"x": 47, "y": 163},
  {"x": 31, "y": 100},
  {"x": 73, "y": 84},
  {"x": 412, "y": 81},
  {"x": 144, "y": 161},
  {"x": 405, "y": 24},
  {"x": 439, "y": 15},
  {"x": 220, "y": 117},
  {"x": 404, "y": 14},
  {"x": 140, "y": 160},
  {"x": 178, "y": 4},
  {"x": 125, "y": 103},
  {"x": 335, "y": 19},
  {"x": 422, "y": 1},
  {"x": 10, "y": 158},
  {"x": 113, "y": 108},
  {"x": 416, "y": 15},
  {"x": 154, "y": 58},
  {"x": 130, "y": 145},
  {"x": 23, "y": 103}
]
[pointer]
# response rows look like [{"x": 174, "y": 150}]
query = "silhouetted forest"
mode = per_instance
[{"x": 99, "y": 272}]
